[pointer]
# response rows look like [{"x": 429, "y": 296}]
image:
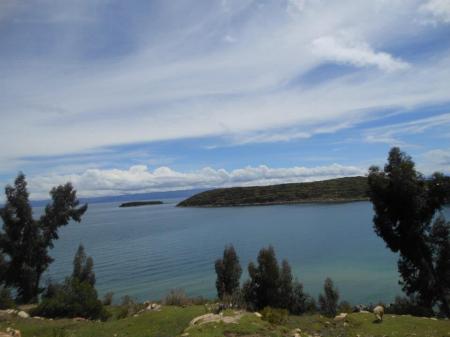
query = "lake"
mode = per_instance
[{"x": 146, "y": 251}]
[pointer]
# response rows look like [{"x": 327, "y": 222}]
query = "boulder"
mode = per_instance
[
  {"x": 341, "y": 317},
  {"x": 23, "y": 314},
  {"x": 13, "y": 332},
  {"x": 257, "y": 314},
  {"x": 378, "y": 311}
]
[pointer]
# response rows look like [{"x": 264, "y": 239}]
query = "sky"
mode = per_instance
[{"x": 138, "y": 96}]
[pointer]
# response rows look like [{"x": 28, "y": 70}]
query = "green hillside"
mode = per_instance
[
  {"x": 333, "y": 190},
  {"x": 175, "y": 321}
]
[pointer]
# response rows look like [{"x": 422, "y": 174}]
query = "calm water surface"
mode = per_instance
[{"x": 146, "y": 251}]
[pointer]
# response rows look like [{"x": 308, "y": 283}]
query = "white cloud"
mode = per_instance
[
  {"x": 435, "y": 160},
  {"x": 171, "y": 82},
  {"x": 438, "y": 9},
  {"x": 391, "y": 134},
  {"x": 346, "y": 50},
  {"x": 138, "y": 179}
]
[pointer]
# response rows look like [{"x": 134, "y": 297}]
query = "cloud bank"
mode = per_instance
[{"x": 139, "y": 179}]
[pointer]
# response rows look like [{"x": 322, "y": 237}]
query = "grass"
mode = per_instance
[{"x": 174, "y": 321}]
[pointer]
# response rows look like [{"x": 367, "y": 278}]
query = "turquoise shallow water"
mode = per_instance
[{"x": 146, "y": 251}]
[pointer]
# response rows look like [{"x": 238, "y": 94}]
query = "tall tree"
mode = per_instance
[
  {"x": 405, "y": 205},
  {"x": 328, "y": 301},
  {"x": 228, "y": 270},
  {"x": 83, "y": 267},
  {"x": 285, "y": 296},
  {"x": 263, "y": 287},
  {"x": 24, "y": 242}
]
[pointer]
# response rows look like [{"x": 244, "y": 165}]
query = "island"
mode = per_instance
[
  {"x": 140, "y": 203},
  {"x": 333, "y": 190}
]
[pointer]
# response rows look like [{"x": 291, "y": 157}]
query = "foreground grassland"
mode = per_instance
[
  {"x": 174, "y": 321},
  {"x": 333, "y": 190}
]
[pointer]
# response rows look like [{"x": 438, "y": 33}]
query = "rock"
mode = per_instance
[
  {"x": 11, "y": 311},
  {"x": 297, "y": 335},
  {"x": 341, "y": 317},
  {"x": 257, "y": 314},
  {"x": 434, "y": 318},
  {"x": 79, "y": 319},
  {"x": 345, "y": 324},
  {"x": 23, "y": 314},
  {"x": 13, "y": 332},
  {"x": 38, "y": 317},
  {"x": 378, "y": 311}
]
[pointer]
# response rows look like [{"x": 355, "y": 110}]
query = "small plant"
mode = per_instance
[
  {"x": 108, "y": 298},
  {"x": 345, "y": 307},
  {"x": 176, "y": 297},
  {"x": 274, "y": 316}
]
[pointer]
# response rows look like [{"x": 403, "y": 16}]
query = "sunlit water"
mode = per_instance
[{"x": 146, "y": 251}]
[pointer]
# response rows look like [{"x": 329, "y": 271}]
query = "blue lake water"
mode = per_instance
[{"x": 146, "y": 251}]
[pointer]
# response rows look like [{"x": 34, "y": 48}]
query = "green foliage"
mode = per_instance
[
  {"x": 83, "y": 267},
  {"x": 328, "y": 301},
  {"x": 263, "y": 288},
  {"x": 6, "y": 299},
  {"x": 24, "y": 242},
  {"x": 301, "y": 302},
  {"x": 228, "y": 272},
  {"x": 350, "y": 188},
  {"x": 346, "y": 307},
  {"x": 108, "y": 298},
  {"x": 405, "y": 205},
  {"x": 274, "y": 316},
  {"x": 273, "y": 286},
  {"x": 129, "y": 307},
  {"x": 72, "y": 299},
  {"x": 408, "y": 306}
]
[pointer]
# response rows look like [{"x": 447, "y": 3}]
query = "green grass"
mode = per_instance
[{"x": 174, "y": 321}]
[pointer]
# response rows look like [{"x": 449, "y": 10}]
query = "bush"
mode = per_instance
[
  {"x": 129, "y": 307},
  {"x": 274, "y": 316},
  {"x": 345, "y": 307},
  {"x": 408, "y": 306},
  {"x": 108, "y": 298},
  {"x": 72, "y": 299},
  {"x": 6, "y": 299},
  {"x": 176, "y": 297}
]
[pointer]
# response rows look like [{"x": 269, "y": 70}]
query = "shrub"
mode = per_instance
[
  {"x": 408, "y": 306},
  {"x": 274, "y": 316},
  {"x": 176, "y": 297},
  {"x": 329, "y": 299},
  {"x": 345, "y": 307},
  {"x": 6, "y": 299},
  {"x": 129, "y": 307},
  {"x": 108, "y": 298},
  {"x": 72, "y": 299}
]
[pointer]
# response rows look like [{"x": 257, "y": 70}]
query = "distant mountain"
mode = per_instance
[
  {"x": 132, "y": 197},
  {"x": 333, "y": 190}
]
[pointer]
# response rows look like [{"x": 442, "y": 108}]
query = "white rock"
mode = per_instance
[
  {"x": 23, "y": 314},
  {"x": 258, "y": 314}
]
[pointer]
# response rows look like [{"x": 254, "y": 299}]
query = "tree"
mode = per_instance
[
  {"x": 328, "y": 301},
  {"x": 301, "y": 302},
  {"x": 263, "y": 287},
  {"x": 285, "y": 295},
  {"x": 83, "y": 267},
  {"x": 24, "y": 242},
  {"x": 76, "y": 297},
  {"x": 228, "y": 272},
  {"x": 405, "y": 205}
]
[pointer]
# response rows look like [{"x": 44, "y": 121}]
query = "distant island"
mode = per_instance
[
  {"x": 333, "y": 190},
  {"x": 140, "y": 203}
]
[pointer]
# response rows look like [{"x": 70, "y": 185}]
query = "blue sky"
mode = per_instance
[{"x": 137, "y": 96}]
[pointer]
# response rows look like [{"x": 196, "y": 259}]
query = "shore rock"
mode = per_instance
[
  {"x": 341, "y": 317},
  {"x": 23, "y": 314}
]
